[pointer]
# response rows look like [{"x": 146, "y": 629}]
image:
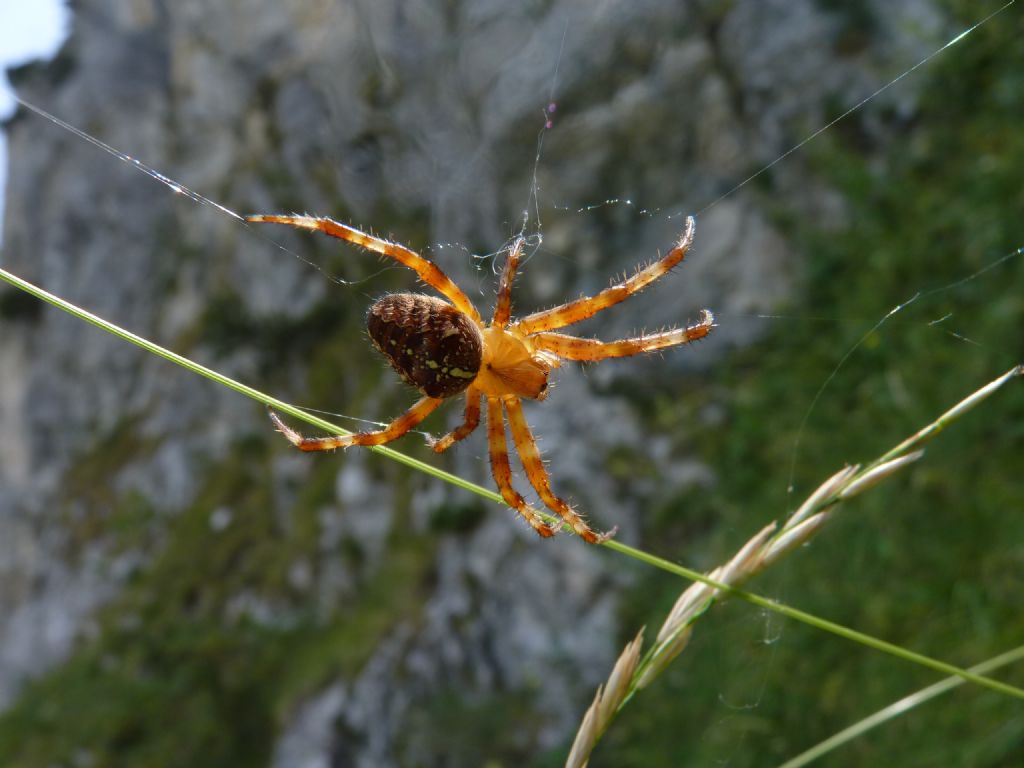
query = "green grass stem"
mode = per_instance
[
  {"x": 625, "y": 549},
  {"x": 898, "y": 708}
]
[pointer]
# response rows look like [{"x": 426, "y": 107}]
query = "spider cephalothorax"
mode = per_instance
[{"x": 443, "y": 348}]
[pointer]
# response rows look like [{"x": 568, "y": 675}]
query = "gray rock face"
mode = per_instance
[{"x": 420, "y": 121}]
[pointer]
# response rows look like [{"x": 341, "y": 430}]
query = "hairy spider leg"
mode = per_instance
[
  {"x": 503, "y": 307},
  {"x": 503, "y": 472},
  {"x": 574, "y": 311},
  {"x": 471, "y": 420},
  {"x": 392, "y": 431},
  {"x": 538, "y": 475},
  {"x": 429, "y": 272},
  {"x": 573, "y": 348}
]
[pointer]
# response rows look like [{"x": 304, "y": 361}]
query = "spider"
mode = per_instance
[{"x": 443, "y": 348}]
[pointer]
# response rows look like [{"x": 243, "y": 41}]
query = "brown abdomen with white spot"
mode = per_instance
[{"x": 432, "y": 345}]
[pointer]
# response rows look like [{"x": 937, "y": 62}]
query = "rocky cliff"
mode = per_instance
[{"x": 162, "y": 546}]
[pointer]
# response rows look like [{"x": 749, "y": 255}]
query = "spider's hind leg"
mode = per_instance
[
  {"x": 428, "y": 271},
  {"x": 392, "y": 431},
  {"x": 470, "y": 421}
]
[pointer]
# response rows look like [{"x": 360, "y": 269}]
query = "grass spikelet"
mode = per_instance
[{"x": 765, "y": 548}]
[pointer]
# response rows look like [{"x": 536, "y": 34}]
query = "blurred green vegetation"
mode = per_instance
[
  {"x": 178, "y": 674},
  {"x": 933, "y": 560}
]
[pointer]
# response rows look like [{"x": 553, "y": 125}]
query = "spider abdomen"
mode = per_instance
[{"x": 433, "y": 346}]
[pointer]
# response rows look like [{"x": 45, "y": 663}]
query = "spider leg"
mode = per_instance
[
  {"x": 394, "y": 430},
  {"x": 538, "y": 475},
  {"x": 429, "y": 272},
  {"x": 503, "y": 307},
  {"x": 503, "y": 472},
  {"x": 573, "y": 348},
  {"x": 588, "y": 306},
  {"x": 465, "y": 429}
]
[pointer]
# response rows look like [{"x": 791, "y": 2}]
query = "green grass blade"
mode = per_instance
[
  {"x": 898, "y": 708},
  {"x": 416, "y": 464}
]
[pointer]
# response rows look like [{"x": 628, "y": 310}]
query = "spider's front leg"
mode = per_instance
[
  {"x": 393, "y": 431},
  {"x": 573, "y": 312},
  {"x": 526, "y": 445},
  {"x": 502, "y": 470},
  {"x": 590, "y": 350}
]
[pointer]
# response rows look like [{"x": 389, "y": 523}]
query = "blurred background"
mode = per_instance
[{"x": 178, "y": 587}]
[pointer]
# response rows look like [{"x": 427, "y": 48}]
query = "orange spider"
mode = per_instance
[{"x": 443, "y": 348}]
